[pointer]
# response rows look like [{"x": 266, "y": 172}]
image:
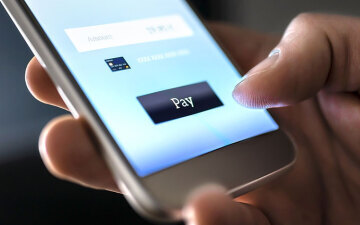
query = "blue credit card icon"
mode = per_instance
[{"x": 117, "y": 64}]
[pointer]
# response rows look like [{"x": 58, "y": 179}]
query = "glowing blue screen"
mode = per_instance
[{"x": 121, "y": 50}]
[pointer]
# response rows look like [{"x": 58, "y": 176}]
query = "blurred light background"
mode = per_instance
[{"x": 28, "y": 193}]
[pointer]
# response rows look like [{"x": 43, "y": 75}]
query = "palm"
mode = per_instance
[{"x": 323, "y": 186}]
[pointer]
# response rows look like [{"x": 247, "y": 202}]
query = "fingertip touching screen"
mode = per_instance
[{"x": 159, "y": 82}]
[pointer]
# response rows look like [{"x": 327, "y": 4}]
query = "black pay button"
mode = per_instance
[{"x": 180, "y": 102}]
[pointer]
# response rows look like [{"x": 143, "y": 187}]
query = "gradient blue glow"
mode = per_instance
[{"x": 149, "y": 147}]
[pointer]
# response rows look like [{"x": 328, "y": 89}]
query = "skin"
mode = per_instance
[{"x": 312, "y": 86}]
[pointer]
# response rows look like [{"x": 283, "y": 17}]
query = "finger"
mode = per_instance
[
  {"x": 69, "y": 153},
  {"x": 316, "y": 51},
  {"x": 213, "y": 207},
  {"x": 41, "y": 86},
  {"x": 247, "y": 47}
]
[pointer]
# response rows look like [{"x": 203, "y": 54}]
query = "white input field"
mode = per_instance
[{"x": 128, "y": 33}]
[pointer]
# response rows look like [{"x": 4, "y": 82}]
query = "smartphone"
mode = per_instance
[{"x": 155, "y": 87}]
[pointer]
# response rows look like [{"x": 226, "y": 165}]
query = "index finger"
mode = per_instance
[
  {"x": 316, "y": 52},
  {"x": 41, "y": 86}
]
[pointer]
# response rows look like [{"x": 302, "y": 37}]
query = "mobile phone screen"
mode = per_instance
[{"x": 157, "y": 79}]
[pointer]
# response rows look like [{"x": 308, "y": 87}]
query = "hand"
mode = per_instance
[{"x": 314, "y": 75}]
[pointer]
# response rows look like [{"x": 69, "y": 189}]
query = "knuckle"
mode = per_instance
[
  {"x": 303, "y": 25},
  {"x": 305, "y": 19}
]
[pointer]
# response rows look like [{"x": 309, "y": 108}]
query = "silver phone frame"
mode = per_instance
[{"x": 159, "y": 196}]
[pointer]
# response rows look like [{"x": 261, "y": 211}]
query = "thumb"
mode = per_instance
[
  {"x": 213, "y": 207},
  {"x": 316, "y": 51}
]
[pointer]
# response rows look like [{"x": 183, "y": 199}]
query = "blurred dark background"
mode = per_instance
[{"x": 28, "y": 193}]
